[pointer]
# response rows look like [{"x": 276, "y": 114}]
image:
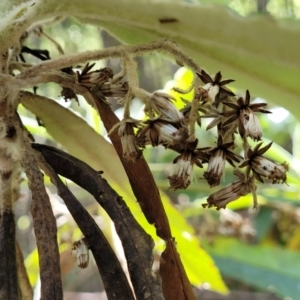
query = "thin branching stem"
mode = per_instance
[{"x": 112, "y": 52}]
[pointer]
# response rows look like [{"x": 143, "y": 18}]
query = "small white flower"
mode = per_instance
[
  {"x": 251, "y": 124},
  {"x": 131, "y": 151},
  {"x": 212, "y": 89},
  {"x": 82, "y": 253},
  {"x": 161, "y": 103},
  {"x": 262, "y": 166},
  {"x": 232, "y": 192},
  {"x": 218, "y": 157},
  {"x": 215, "y": 169},
  {"x": 180, "y": 176},
  {"x": 161, "y": 132}
]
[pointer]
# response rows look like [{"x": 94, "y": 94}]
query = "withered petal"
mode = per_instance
[
  {"x": 230, "y": 120},
  {"x": 227, "y": 145},
  {"x": 205, "y": 77},
  {"x": 218, "y": 77},
  {"x": 233, "y": 156},
  {"x": 217, "y": 99},
  {"x": 227, "y": 81},
  {"x": 257, "y": 105},
  {"x": 232, "y": 105},
  {"x": 264, "y": 149},
  {"x": 87, "y": 68},
  {"x": 213, "y": 123},
  {"x": 257, "y": 146},
  {"x": 225, "y": 91},
  {"x": 198, "y": 164},
  {"x": 175, "y": 160},
  {"x": 244, "y": 163},
  {"x": 240, "y": 101},
  {"x": 247, "y": 98},
  {"x": 154, "y": 136},
  {"x": 263, "y": 111},
  {"x": 230, "y": 161}
]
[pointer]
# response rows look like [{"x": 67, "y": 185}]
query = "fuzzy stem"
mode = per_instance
[
  {"x": 133, "y": 80},
  {"x": 127, "y": 101},
  {"x": 112, "y": 52},
  {"x": 119, "y": 76},
  {"x": 44, "y": 226}
]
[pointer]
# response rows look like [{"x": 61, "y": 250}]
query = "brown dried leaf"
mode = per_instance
[
  {"x": 175, "y": 284},
  {"x": 147, "y": 194}
]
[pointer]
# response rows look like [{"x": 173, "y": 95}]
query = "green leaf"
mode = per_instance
[
  {"x": 260, "y": 266},
  {"x": 83, "y": 142},
  {"x": 259, "y": 52}
]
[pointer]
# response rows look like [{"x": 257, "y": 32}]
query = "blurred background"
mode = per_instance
[{"x": 256, "y": 251}]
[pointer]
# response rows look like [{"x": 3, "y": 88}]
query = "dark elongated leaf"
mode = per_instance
[
  {"x": 113, "y": 276},
  {"x": 137, "y": 244}
]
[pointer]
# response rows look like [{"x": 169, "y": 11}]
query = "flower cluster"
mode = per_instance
[{"x": 174, "y": 129}]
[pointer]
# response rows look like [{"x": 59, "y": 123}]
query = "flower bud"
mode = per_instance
[
  {"x": 215, "y": 169},
  {"x": 250, "y": 123},
  {"x": 161, "y": 132},
  {"x": 82, "y": 253},
  {"x": 268, "y": 168},
  {"x": 161, "y": 103}
]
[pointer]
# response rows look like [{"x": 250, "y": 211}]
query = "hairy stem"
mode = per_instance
[{"x": 112, "y": 52}]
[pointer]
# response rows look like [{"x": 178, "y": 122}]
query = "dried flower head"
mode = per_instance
[
  {"x": 244, "y": 112},
  {"x": 69, "y": 94},
  {"x": 218, "y": 156},
  {"x": 162, "y": 104},
  {"x": 159, "y": 131},
  {"x": 232, "y": 192},
  {"x": 81, "y": 248},
  {"x": 264, "y": 167},
  {"x": 180, "y": 176},
  {"x": 117, "y": 90},
  {"x": 131, "y": 151},
  {"x": 187, "y": 111},
  {"x": 215, "y": 87},
  {"x": 93, "y": 78}
]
